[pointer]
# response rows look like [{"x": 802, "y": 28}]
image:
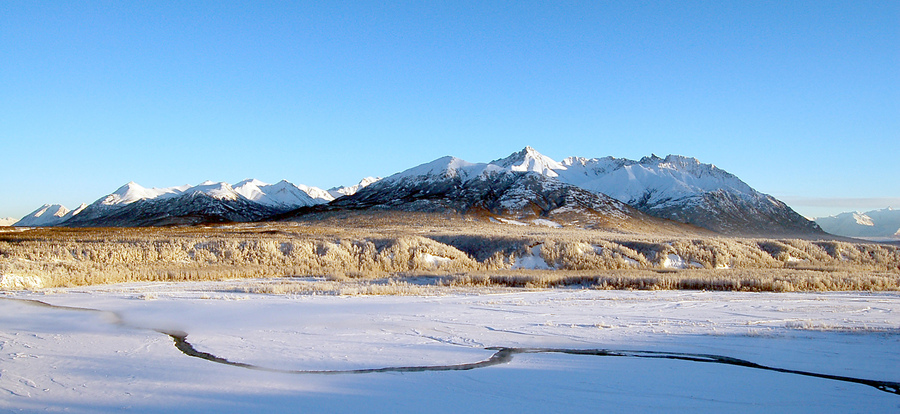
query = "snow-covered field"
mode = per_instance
[{"x": 114, "y": 357}]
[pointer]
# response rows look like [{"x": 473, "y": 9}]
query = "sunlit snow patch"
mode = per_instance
[
  {"x": 508, "y": 221},
  {"x": 548, "y": 223},
  {"x": 17, "y": 282},
  {"x": 674, "y": 261},
  {"x": 435, "y": 261},
  {"x": 533, "y": 261}
]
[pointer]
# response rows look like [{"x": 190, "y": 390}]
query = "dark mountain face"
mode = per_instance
[
  {"x": 498, "y": 192},
  {"x": 727, "y": 213},
  {"x": 511, "y": 194}
]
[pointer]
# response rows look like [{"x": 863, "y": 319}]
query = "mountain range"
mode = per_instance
[
  {"x": 208, "y": 202},
  {"x": 875, "y": 224},
  {"x": 597, "y": 192},
  {"x": 676, "y": 188},
  {"x": 491, "y": 191}
]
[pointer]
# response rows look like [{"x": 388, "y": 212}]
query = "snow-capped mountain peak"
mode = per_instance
[
  {"x": 318, "y": 195},
  {"x": 445, "y": 167},
  {"x": 282, "y": 195},
  {"x": 529, "y": 159},
  {"x": 338, "y": 192},
  {"x": 133, "y": 204},
  {"x": 74, "y": 212},
  {"x": 219, "y": 191},
  {"x": 132, "y": 192},
  {"x": 250, "y": 189},
  {"x": 652, "y": 179},
  {"x": 45, "y": 215},
  {"x": 688, "y": 166},
  {"x": 250, "y": 181}
]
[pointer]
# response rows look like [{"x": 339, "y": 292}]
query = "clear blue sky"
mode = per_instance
[{"x": 799, "y": 99}]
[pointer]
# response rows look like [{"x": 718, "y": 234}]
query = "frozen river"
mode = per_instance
[{"x": 114, "y": 347}]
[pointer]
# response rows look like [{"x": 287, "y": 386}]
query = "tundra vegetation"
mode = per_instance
[{"x": 416, "y": 253}]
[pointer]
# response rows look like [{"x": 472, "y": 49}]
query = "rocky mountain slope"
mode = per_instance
[
  {"x": 453, "y": 185},
  {"x": 494, "y": 191}
]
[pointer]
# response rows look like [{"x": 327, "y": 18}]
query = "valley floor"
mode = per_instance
[{"x": 118, "y": 356}]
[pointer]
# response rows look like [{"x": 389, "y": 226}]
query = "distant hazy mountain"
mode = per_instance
[
  {"x": 884, "y": 223},
  {"x": 8, "y": 221}
]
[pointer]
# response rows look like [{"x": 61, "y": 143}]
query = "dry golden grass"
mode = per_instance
[
  {"x": 746, "y": 280},
  {"x": 456, "y": 251}
]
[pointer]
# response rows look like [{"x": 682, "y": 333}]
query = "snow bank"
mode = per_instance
[
  {"x": 513, "y": 222},
  {"x": 435, "y": 261},
  {"x": 674, "y": 261},
  {"x": 548, "y": 223},
  {"x": 17, "y": 282},
  {"x": 534, "y": 261}
]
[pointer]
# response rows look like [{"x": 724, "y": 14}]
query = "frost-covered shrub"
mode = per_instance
[{"x": 66, "y": 257}]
